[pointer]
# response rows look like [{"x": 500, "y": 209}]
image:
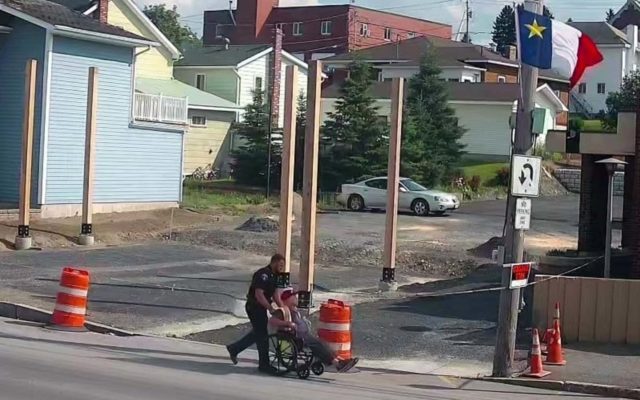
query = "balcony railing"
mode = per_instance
[{"x": 159, "y": 108}]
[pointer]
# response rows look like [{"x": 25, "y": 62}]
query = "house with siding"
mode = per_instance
[
  {"x": 208, "y": 118},
  {"x": 234, "y": 72},
  {"x": 138, "y": 164}
]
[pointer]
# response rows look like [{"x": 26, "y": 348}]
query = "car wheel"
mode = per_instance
[
  {"x": 355, "y": 203},
  {"x": 420, "y": 208}
]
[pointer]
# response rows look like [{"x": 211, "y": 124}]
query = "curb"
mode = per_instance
[
  {"x": 572, "y": 387},
  {"x": 33, "y": 314}
]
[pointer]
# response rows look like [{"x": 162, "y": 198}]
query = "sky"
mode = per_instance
[{"x": 447, "y": 11}]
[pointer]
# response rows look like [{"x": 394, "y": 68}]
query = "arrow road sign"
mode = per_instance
[{"x": 525, "y": 176}]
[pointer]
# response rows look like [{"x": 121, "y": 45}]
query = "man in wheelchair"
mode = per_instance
[{"x": 288, "y": 319}]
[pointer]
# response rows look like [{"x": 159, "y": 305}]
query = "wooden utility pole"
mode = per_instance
[
  {"x": 23, "y": 240},
  {"x": 393, "y": 181},
  {"x": 288, "y": 169},
  {"x": 310, "y": 186},
  {"x": 514, "y": 239},
  {"x": 86, "y": 234}
]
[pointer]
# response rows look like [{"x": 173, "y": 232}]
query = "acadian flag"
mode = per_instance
[{"x": 548, "y": 44}]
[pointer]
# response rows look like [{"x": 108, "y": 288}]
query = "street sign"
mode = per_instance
[
  {"x": 525, "y": 176},
  {"x": 519, "y": 274},
  {"x": 523, "y": 214}
]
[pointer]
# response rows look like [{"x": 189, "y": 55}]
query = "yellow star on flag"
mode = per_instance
[{"x": 535, "y": 29}]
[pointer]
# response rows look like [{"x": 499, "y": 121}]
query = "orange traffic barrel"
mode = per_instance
[
  {"x": 71, "y": 302},
  {"x": 335, "y": 327}
]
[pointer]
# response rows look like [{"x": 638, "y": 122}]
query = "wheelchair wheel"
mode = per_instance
[
  {"x": 317, "y": 368},
  {"x": 303, "y": 372},
  {"x": 283, "y": 354}
]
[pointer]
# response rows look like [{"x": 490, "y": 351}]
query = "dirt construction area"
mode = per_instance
[{"x": 186, "y": 274}]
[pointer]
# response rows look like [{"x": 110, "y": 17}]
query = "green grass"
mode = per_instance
[
  {"x": 199, "y": 198},
  {"x": 486, "y": 172},
  {"x": 595, "y": 126}
]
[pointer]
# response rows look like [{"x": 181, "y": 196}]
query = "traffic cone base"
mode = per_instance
[
  {"x": 536, "y": 370},
  {"x": 540, "y": 374}
]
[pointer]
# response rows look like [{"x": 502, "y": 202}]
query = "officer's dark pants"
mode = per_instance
[{"x": 258, "y": 335}]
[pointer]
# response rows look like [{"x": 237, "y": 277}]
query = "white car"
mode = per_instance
[{"x": 372, "y": 194}]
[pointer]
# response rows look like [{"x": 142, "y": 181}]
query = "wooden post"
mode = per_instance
[
  {"x": 288, "y": 164},
  {"x": 310, "y": 187},
  {"x": 86, "y": 234},
  {"x": 23, "y": 240},
  {"x": 393, "y": 181}
]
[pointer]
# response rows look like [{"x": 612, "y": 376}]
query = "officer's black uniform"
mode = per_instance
[{"x": 264, "y": 279}]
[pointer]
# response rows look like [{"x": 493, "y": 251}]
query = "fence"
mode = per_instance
[
  {"x": 159, "y": 108},
  {"x": 592, "y": 309}
]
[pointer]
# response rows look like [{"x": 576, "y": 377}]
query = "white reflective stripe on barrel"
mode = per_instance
[
  {"x": 70, "y": 309},
  {"x": 339, "y": 346},
  {"x": 346, "y": 327},
  {"x": 73, "y": 292}
]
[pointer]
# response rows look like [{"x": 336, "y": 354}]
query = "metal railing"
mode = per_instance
[
  {"x": 580, "y": 104},
  {"x": 159, "y": 108}
]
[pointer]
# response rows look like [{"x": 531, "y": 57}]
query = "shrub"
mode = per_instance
[
  {"x": 502, "y": 176},
  {"x": 474, "y": 183}
]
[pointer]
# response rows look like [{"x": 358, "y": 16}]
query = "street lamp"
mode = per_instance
[{"x": 612, "y": 165}]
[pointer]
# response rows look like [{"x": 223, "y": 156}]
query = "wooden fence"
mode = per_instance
[{"x": 592, "y": 310}]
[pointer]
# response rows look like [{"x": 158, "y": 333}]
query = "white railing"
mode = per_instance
[{"x": 159, "y": 108}]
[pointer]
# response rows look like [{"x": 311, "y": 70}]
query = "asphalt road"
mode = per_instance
[{"x": 42, "y": 364}]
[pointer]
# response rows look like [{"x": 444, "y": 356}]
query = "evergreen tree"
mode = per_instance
[
  {"x": 355, "y": 140},
  {"x": 610, "y": 15},
  {"x": 251, "y": 158},
  {"x": 627, "y": 99},
  {"x": 431, "y": 134},
  {"x": 504, "y": 28}
]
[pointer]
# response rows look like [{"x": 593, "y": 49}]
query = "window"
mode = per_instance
[
  {"x": 387, "y": 33},
  {"x": 297, "y": 29},
  {"x": 377, "y": 183},
  {"x": 411, "y": 35},
  {"x": 502, "y": 79},
  {"x": 201, "y": 81},
  {"x": 582, "y": 88},
  {"x": 198, "y": 120},
  {"x": 325, "y": 29},
  {"x": 258, "y": 83},
  {"x": 364, "y": 30},
  {"x": 601, "y": 88},
  {"x": 280, "y": 26}
]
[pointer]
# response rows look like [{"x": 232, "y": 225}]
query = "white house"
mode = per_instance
[
  {"x": 483, "y": 109},
  {"x": 621, "y": 56}
]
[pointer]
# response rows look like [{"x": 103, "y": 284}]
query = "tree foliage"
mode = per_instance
[
  {"x": 355, "y": 141},
  {"x": 168, "y": 21},
  {"x": 431, "y": 145},
  {"x": 301, "y": 127},
  {"x": 251, "y": 158},
  {"x": 610, "y": 15},
  {"x": 504, "y": 28},
  {"x": 627, "y": 99}
]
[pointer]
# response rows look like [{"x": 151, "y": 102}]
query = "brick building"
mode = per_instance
[{"x": 314, "y": 31}]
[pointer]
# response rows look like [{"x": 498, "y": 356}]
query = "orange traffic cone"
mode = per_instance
[
  {"x": 536, "y": 370},
  {"x": 554, "y": 349}
]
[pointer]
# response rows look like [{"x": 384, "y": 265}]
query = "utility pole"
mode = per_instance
[
  {"x": 514, "y": 239},
  {"x": 468, "y": 17}
]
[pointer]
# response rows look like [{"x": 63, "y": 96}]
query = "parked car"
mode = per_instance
[{"x": 372, "y": 194}]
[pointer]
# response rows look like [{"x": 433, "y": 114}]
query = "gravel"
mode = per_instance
[{"x": 260, "y": 224}]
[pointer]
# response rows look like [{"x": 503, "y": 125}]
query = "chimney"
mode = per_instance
[
  {"x": 103, "y": 11},
  {"x": 276, "y": 77},
  {"x": 512, "y": 52}
]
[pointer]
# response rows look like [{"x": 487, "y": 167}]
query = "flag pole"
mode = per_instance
[{"x": 514, "y": 238}]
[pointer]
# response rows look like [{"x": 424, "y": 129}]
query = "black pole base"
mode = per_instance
[
  {"x": 284, "y": 280},
  {"x": 86, "y": 229},
  {"x": 304, "y": 300},
  {"x": 388, "y": 275}
]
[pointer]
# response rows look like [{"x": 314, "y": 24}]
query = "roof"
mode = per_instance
[
  {"x": 77, "y": 5},
  {"x": 174, "y": 88},
  {"x": 219, "y": 16},
  {"x": 218, "y": 56},
  {"x": 601, "y": 32},
  {"x": 459, "y": 91},
  {"x": 60, "y": 16}
]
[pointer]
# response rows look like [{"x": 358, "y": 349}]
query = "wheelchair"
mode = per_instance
[{"x": 288, "y": 354}]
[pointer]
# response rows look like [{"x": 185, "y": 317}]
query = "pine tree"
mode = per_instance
[
  {"x": 504, "y": 28},
  {"x": 610, "y": 15},
  {"x": 355, "y": 138},
  {"x": 431, "y": 134},
  {"x": 251, "y": 158}
]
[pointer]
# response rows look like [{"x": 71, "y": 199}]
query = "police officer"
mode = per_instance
[{"x": 259, "y": 299}]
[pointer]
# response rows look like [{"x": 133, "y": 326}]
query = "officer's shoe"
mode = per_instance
[
  {"x": 232, "y": 356},
  {"x": 268, "y": 369}
]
